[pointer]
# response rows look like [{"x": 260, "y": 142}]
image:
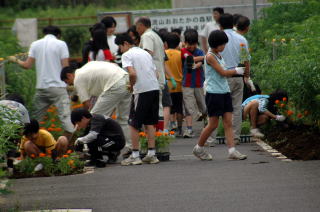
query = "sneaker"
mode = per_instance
[
  {"x": 150, "y": 159},
  {"x": 237, "y": 156},
  {"x": 256, "y": 133},
  {"x": 201, "y": 153},
  {"x": 188, "y": 133},
  {"x": 131, "y": 161},
  {"x": 127, "y": 153},
  {"x": 211, "y": 142}
]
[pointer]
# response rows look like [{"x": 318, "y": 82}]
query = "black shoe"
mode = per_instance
[
  {"x": 96, "y": 163},
  {"x": 113, "y": 157}
]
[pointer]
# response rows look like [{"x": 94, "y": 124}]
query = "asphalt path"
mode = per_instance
[{"x": 260, "y": 183}]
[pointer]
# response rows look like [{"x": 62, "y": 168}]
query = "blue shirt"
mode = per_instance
[
  {"x": 215, "y": 83},
  {"x": 263, "y": 101},
  {"x": 231, "y": 52}
]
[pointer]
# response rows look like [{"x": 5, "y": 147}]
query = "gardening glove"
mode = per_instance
[
  {"x": 78, "y": 141},
  {"x": 174, "y": 83},
  {"x": 280, "y": 118},
  {"x": 250, "y": 83},
  {"x": 239, "y": 70},
  {"x": 12, "y": 59}
]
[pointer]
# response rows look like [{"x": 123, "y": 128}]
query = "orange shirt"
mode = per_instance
[{"x": 174, "y": 63}]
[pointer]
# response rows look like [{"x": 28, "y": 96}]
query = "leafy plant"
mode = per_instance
[{"x": 163, "y": 141}]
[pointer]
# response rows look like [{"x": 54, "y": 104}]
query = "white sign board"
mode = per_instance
[{"x": 186, "y": 21}]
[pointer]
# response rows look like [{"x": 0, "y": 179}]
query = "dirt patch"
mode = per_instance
[{"x": 295, "y": 142}]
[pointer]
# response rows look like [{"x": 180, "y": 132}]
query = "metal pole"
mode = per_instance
[{"x": 254, "y": 2}]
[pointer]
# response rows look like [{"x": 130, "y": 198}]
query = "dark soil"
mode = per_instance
[{"x": 295, "y": 142}]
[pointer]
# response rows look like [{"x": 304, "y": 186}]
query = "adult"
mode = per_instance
[
  {"x": 231, "y": 55},
  {"x": 105, "y": 80},
  {"x": 50, "y": 55},
  {"x": 211, "y": 26},
  {"x": 110, "y": 25}
]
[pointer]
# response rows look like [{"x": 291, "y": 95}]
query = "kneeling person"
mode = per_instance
[
  {"x": 36, "y": 141},
  {"x": 104, "y": 136}
]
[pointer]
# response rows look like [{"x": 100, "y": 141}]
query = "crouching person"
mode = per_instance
[
  {"x": 104, "y": 136},
  {"x": 36, "y": 141}
]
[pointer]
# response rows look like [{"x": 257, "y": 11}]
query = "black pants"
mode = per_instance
[{"x": 105, "y": 146}]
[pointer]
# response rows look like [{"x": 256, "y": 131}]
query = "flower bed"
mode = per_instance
[{"x": 66, "y": 165}]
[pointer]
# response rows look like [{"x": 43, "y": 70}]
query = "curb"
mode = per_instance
[{"x": 272, "y": 151}]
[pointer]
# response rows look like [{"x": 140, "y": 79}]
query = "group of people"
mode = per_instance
[{"x": 146, "y": 77}]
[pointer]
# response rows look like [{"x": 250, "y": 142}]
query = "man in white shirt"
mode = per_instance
[
  {"x": 145, "y": 101},
  {"x": 50, "y": 55},
  {"x": 209, "y": 27},
  {"x": 105, "y": 80}
]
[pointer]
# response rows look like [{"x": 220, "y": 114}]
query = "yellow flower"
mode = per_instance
[
  {"x": 274, "y": 40},
  {"x": 1, "y": 59},
  {"x": 283, "y": 40}
]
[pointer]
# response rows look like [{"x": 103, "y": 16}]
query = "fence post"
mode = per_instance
[{"x": 255, "y": 16}]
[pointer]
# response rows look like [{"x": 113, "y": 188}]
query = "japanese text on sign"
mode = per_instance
[{"x": 195, "y": 21}]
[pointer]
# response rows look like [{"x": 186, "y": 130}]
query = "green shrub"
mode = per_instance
[{"x": 286, "y": 54}]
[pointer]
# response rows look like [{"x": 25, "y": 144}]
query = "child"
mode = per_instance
[
  {"x": 104, "y": 136},
  {"x": 145, "y": 101},
  {"x": 36, "y": 140},
  {"x": 174, "y": 63},
  {"x": 193, "y": 78},
  {"x": 261, "y": 108},
  {"x": 218, "y": 98}
]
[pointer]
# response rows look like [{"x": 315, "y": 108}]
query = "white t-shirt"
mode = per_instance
[
  {"x": 48, "y": 53},
  {"x": 152, "y": 42},
  {"x": 95, "y": 77},
  {"x": 145, "y": 69},
  {"x": 209, "y": 27},
  {"x": 112, "y": 45}
]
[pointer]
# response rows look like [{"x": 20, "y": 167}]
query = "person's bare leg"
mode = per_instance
[
  {"x": 228, "y": 131},
  {"x": 206, "y": 132},
  {"x": 31, "y": 149},
  {"x": 166, "y": 118},
  {"x": 62, "y": 145},
  {"x": 262, "y": 119},
  {"x": 253, "y": 111},
  {"x": 150, "y": 135},
  {"x": 134, "y": 138}
]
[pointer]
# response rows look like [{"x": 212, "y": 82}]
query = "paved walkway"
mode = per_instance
[{"x": 260, "y": 183}]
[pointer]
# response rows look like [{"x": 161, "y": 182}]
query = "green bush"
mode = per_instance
[{"x": 286, "y": 53}]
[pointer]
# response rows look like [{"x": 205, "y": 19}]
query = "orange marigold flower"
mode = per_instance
[
  {"x": 49, "y": 152},
  {"x": 69, "y": 151},
  {"x": 142, "y": 134},
  {"x": 165, "y": 134},
  {"x": 242, "y": 44},
  {"x": 50, "y": 129},
  {"x": 50, "y": 110},
  {"x": 158, "y": 134},
  {"x": 282, "y": 105},
  {"x": 58, "y": 129},
  {"x": 32, "y": 155},
  {"x": 70, "y": 162},
  {"x": 53, "y": 120},
  {"x": 41, "y": 155},
  {"x": 171, "y": 132},
  {"x": 299, "y": 115},
  {"x": 284, "y": 99},
  {"x": 42, "y": 122},
  {"x": 277, "y": 102},
  {"x": 289, "y": 112},
  {"x": 65, "y": 156},
  {"x": 306, "y": 113},
  {"x": 53, "y": 125}
]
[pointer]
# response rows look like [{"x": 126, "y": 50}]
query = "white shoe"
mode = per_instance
[
  {"x": 256, "y": 133},
  {"x": 237, "y": 156},
  {"x": 150, "y": 159},
  {"x": 211, "y": 142},
  {"x": 131, "y": 161},
  {"x": 201, "y": 153},
  {"x": 188, "y": 133}
]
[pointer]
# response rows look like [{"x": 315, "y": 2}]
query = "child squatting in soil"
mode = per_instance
[{"x": 262, "y": 108}]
